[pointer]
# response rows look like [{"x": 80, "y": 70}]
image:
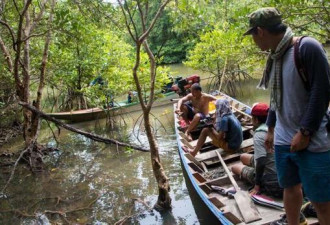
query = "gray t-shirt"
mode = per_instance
[
  {"x": 295, "y": 99},
  {"x": 260, "y": 150}
]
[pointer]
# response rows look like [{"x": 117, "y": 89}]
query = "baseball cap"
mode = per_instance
[
  {"x": 260, "y": 109},
  {"x": 264, "y": 17}
]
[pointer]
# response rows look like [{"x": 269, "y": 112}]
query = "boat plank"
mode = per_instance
[
  {"x": 217, "y": 202},
  {"x": 192, "y": 159},
  {"x": 246, "y": 143}
]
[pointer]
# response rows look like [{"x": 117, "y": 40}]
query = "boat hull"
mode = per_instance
[{"x": 98, "y": 113}]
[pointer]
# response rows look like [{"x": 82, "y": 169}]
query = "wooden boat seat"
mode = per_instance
[
  {"x": 212, "y": 154},
  {"x": 246, "y": 143},
  {"x": 208, "y": 155}
]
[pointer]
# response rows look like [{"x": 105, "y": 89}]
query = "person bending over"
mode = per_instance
[{"x": 194, "y": 107}]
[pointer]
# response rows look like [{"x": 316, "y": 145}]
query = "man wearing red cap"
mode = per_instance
[{"x": 259, "y": 169}]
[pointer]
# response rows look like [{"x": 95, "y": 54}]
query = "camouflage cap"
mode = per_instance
[{"x": 264, "y": 17}]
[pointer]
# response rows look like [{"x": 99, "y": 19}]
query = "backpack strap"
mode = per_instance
[{"x": 299, "y": 65}]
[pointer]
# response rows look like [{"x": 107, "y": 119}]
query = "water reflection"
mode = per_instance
[{"x": 93, "y": 183}]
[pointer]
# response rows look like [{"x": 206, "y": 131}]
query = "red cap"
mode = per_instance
[{"x": 260, "y": 109}]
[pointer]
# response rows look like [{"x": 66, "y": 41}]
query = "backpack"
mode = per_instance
[{"x": 303, "y": 72}]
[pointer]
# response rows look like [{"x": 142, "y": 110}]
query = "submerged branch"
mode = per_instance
[{"x": 78, "y": 131}]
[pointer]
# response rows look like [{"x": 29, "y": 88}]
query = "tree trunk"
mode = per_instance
[
  {"x": 21, "y": 35},
  {"x": 164, "y": 199}
]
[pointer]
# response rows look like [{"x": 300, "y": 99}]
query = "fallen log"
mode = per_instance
[{"x": 94, "y": 137}]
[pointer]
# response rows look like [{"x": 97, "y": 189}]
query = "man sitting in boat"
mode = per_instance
[
  {"x": 227, "y": 133},
  {"x": 194, "y": 107},
  {"x": 259, "y": 169}
]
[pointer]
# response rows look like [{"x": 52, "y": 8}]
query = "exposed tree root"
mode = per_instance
[{"x": 62, "y": 213}]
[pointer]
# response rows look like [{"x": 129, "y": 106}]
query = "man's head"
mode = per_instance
[
  {"x": 264, "y": 18},
  {"x": 259, "y": 113},
  {"x": 196, "y": 90},
  {"x": 264, "y": 25}
]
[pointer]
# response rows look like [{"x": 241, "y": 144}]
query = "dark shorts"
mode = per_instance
[
  {"x": 269, "y": 182},
  {"x": 191, "y": 113},
  {"x": 309, "y": 168}
]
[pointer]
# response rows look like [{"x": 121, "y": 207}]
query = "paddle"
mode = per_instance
[{"x": 244, "y": 202}]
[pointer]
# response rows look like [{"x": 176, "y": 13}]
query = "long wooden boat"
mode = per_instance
[
  {"x": 99, "y": 113},
  {"x": 206, "y": 173}
]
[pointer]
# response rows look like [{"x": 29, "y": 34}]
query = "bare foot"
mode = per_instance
[
  {"x": 189, "y": 138},
  {"x": 185, "y": 149},
  {"x": 192, "y": 153}
]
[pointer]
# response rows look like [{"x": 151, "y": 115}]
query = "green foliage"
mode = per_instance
[
  {"x": 170, "y": 46},
  {"x": 306, "y": 17},
  {"x": 220, "y": 47},
  {"x": 82, "y": 51},
  {"x": 129, "y": 150}
]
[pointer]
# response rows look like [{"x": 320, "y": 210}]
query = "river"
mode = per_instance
[{"x": 92, "y": 183}]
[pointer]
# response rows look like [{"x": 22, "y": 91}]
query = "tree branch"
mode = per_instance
[
  {"x": 135, "y": 38},
  {"x": 42, "y": 10},
  {"x": 45, "y": 56},
  {"x": 7, "y": 55},
  {"x": 146, "y": 33},
  {"x": 11, "y": 31},
  {"x": 86, "y": 134}
]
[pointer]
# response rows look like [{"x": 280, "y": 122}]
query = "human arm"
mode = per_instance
[
  {"x": 315, "y": 63},
  {"x": 260, "y": 167},
  {"x": 271, "y": 121},
  {"x": 211, "y": 98},
  {"x": 181, "y": 101}
]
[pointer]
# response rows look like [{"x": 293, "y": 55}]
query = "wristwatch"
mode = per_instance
[{"x": 305, "y": 132}]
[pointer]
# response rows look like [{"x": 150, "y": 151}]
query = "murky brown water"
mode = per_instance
[{"x": 94, "y": 183}]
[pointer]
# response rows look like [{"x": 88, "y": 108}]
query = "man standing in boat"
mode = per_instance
[
  {"x": 194, "y": 107},
  {"x": 296, "y": 121}
]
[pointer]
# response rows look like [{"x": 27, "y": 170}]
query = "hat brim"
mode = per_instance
[{"x": 249, "y": 31}]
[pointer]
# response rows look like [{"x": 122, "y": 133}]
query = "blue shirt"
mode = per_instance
[{"x": 232, "y": 127}]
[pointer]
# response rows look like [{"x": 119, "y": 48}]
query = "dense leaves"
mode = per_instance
[{"x": 89, "y": 40}]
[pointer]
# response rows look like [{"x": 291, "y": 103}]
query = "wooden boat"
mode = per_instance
[
  {"x": 206, "y": 174},
  {"x": 98, "y": 113}
]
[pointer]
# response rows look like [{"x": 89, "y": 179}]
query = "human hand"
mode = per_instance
[
  {"x": 255, "y": 190},
  {"x": 269, "y": 141},
  {"x": 177, "y": 111},
  {"x": 299, "y": 142}
]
